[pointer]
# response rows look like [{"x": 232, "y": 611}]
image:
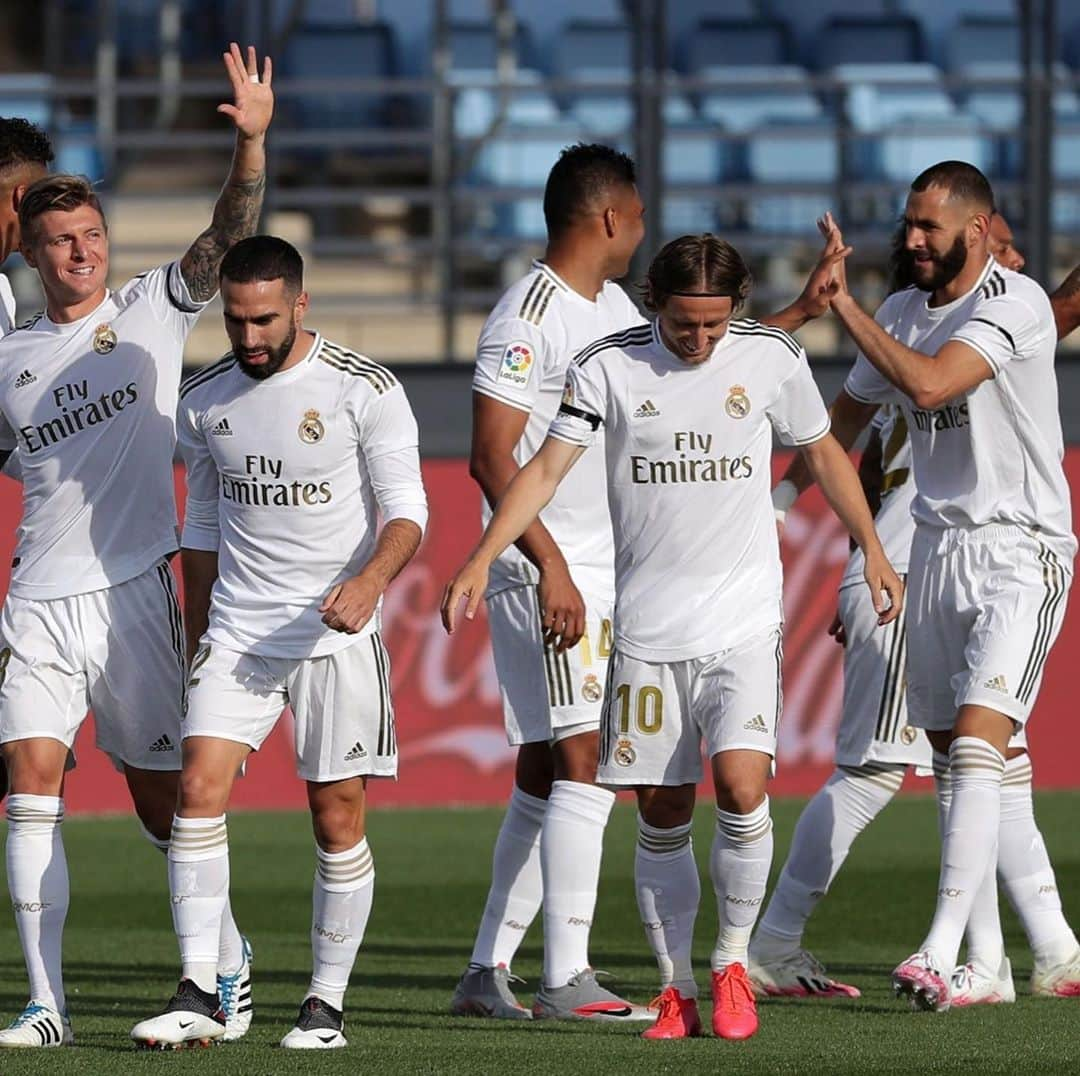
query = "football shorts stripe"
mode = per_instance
[{"x": 1054, "y": 583}]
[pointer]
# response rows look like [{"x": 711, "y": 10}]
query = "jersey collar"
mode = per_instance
[{"x": 940, "y": 311}]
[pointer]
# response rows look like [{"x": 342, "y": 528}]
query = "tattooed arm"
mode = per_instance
[
  {"x": 236, "y": 213},
  {"x": 1066, "y": 304}
]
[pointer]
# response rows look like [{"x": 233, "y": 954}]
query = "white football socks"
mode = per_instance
[
  {"x": 231, "y": 947},
  {"x": 38, "y": 883},
  {"x": 199, "y": 886},
  {"x": 739, "y": 864},
  {"x": 516, "y": 892},
  {"x": 969, "y": 847},
  {"x": 848, "y": 802},
  {"x": 571, "y": 844},
  {"x": 341, "y": 905},
  {"x": 668, "y": 895},
  {"x": 1025, "y": 870}
]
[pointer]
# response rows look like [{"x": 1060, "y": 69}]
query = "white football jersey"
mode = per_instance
[
  {"x": 894, "y": 522},
  {"x": 991, "y": 455},
  {"x": 286, "y": 479},
  {"x": 7, "y": 306},
  {"x": 536, "y": 328},
  {"x": 91, "y": 407},
  {"x": 697, "y": 562}
]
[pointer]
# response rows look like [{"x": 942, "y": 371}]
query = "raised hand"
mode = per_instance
[
  {"x": 253, "y": 99},
  {"x": 835, "y": 255}
]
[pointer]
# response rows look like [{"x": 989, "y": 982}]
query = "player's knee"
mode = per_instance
[
  {"x": 666, "y": 808},
  {"x": 338, "y": 826},
  {"x": 203, "y": 792},
  {"x": 576, "y": 758},
  {"x": 740, "y": 795}
]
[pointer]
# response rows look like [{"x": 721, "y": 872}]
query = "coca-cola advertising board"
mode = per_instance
[{"x": 449, "y": 723}]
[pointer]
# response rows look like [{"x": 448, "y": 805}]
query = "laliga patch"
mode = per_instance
[{"x": 516, "y": 365}]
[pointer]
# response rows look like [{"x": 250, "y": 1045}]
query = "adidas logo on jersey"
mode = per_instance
[
  {"x": 24, "y": 379},
  {"x": 356, "y": 752},
  {"x": 222, "y": 429},
  {"x": 162, "y": 743},
  {"x": 647, "y": 410},
  {"x": 997, "y": 683},
  {"x": 756, "y": 724}
]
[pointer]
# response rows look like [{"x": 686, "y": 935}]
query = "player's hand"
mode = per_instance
[
  {"x": 562, "y": 609},
  {"x": 836, "y": 281},
  {"x": 886, "y": 588},
  {"x": 470, "y": 584},
  {"x": 822, "y": 282},
  {"x": 350, "y": 605},
  {"x": 836, "y": 630},
  {"x": 253, "y": 99}
]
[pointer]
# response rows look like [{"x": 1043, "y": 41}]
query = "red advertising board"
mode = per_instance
[{"x": 450, "y": 732}]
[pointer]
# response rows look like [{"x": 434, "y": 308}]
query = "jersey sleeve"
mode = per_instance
[
  {"x": 202, "y": 529},
  {"x": 167, "y": 293},
  {"x": 798, "y": 413},
  {"x": 8, "y": 441},
  {"x": 389, "y": 441},
  {"x": 510, "y": 360},
  {"x": 1004, "y": 329},
  {"x": 583, "y": 407}
]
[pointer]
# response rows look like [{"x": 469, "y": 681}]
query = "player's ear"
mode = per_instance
[
  {"x": 609, "y": 222},
  {"x": 978, "y": 227},
  {"x": 300, "y": 307},
  {"x": 17, "y": 193}
]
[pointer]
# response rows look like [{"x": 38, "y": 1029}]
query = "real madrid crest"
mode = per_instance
[
  {"x": 908, "y": 735},
  {"x": 311, "y": 430},
  {"x": 625, "y": 755},
  {"x": 737, "y": 404},
  {"x": 591, "y": 689},
  {"x": 104, "y": 339}
]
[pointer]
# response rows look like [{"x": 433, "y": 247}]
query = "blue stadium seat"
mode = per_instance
[
  {"x": 894, "y": 39},
  {"x": 762, "y": 94},
  {"x": 476, "y": 107},
  {"x": 978, "y": 39},
  {"x": 343, "y": 51},
  {"x": 718, "y": 43},
  {"x": 786, "y": 153},
  {"x": 593, "y": 46},
  {"x": 27, "y": 96},
  {"x": 474, "y": 49},
  {"x": 692, "y": 155},
  {"x": 520, "y": 158},
  {"x": 878, "y": 95},
  {"x": 905, "y": 149},
  {"x": 685, "y": 18},
  {"x": 997, "y": 98}
]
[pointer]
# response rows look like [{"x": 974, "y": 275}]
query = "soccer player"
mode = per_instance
[
  {"x": 968, "y": 354},
  {"x": 549, "y": 598},
  {"x": 870, "y": 770},
  {"x": 88, "y": 394},
  {"x": 294, "y": 446},
  {"x": 25, "y": 156},
  {"x": 697, "y": 613}
]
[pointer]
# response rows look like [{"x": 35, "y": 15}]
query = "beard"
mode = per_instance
[
  {"x": 275, "y": 358},
  {"x": 945, "y": 267}
]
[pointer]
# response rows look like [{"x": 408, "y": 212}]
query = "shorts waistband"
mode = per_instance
[{"x": 954, "y": 537}]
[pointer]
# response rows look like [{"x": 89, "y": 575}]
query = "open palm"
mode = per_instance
[{"x": 253, "y": 99}]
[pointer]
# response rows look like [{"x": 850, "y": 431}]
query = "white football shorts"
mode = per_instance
[
  {"x": 874, "y": 725},
  {"x": 117, "y": 651},
  {"x": 984, "y": 607},
  {"x": 343, "y": 716},
  {"x": 659, "y": 714},
  {"x": 547, "y": 696}
]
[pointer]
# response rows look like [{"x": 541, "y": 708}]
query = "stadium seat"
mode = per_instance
[
  {"x": 760, "y": 95},
  {"x": 474, "y": 52},
  {"x": 722, "y": 43},
  {"x": 594, "y": 46},
  {"x": 476, "y": 108},
  {"x": 877, "y": 95},
  {"x": 791, "y": 153},
  {"x": 894, "y": 39},
  {"x": 27, "y": 96},
  {"x": 342, "y": 51},
  {"x": 997, "y": 97},
  {"x": 692, "y": 156},
  {"x": 976, "y": 39},
  {"x": 906, "y": 148},
  {"x": 519, "y": 158}
]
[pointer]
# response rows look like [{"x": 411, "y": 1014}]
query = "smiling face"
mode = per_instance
[
  {"x": 70, "y": 250},
  {"x": 692, "y": 325},
  {"x": 263, "y": 319},
  {"x": 940, "y": 234}
]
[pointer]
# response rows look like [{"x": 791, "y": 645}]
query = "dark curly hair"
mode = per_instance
[
  {"x": 22, "y": 142},
  {"x": 582, "y": 177}
]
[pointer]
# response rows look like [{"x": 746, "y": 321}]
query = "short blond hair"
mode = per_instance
[{"x": 55, "y": 192}]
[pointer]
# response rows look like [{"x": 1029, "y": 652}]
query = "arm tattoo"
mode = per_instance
[
  {"x": 236, "y": 216},
  {"x": 1070, "y": 286}
]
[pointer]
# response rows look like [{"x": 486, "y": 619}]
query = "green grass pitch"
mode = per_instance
[{"x": 432, "y": 869}]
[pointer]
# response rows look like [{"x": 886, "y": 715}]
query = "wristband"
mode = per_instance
[{"x": 784, "y": 495}]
